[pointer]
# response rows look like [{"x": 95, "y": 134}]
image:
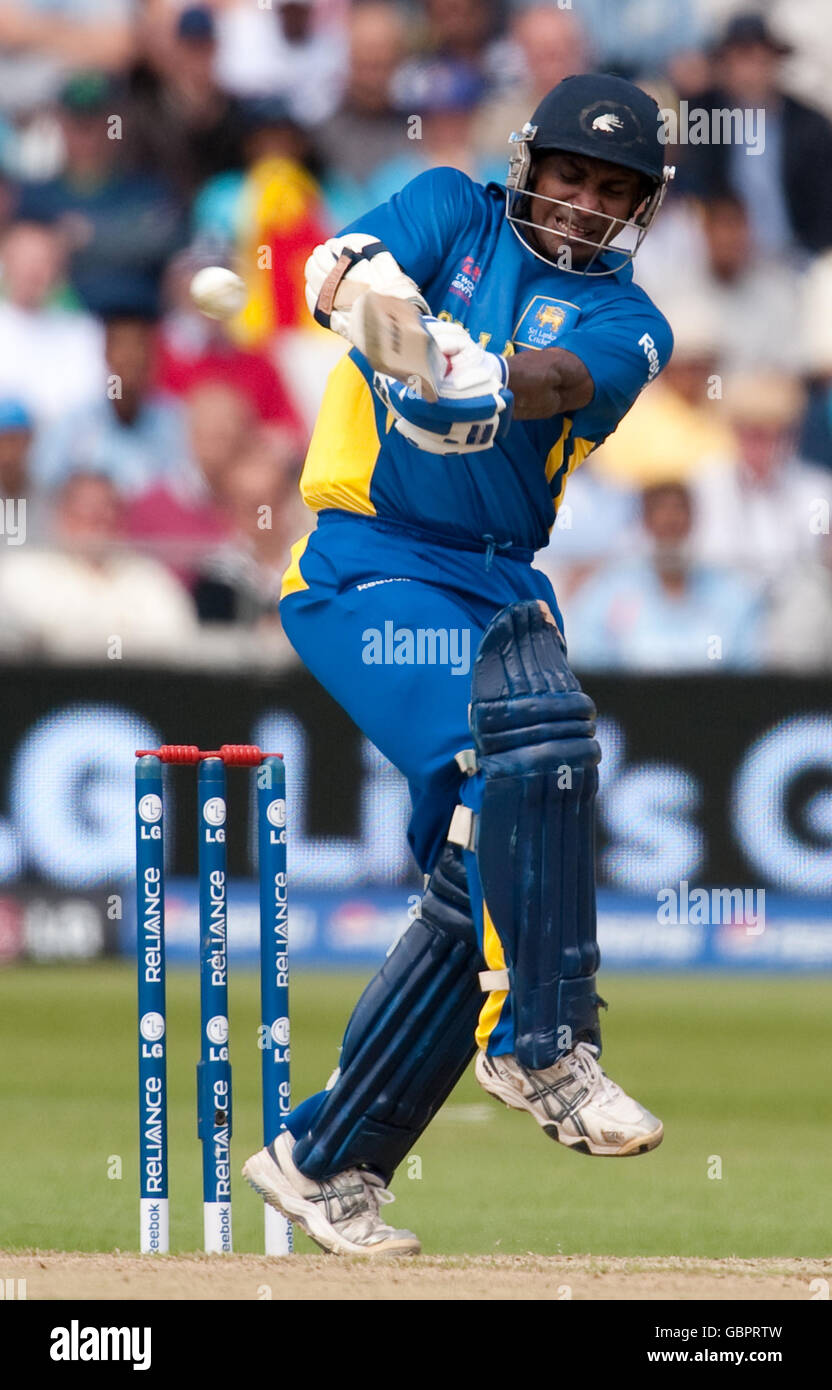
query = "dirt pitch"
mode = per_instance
[{"x": 54, "y": 1275}]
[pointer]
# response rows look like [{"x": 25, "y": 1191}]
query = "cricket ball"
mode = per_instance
[{"x": 218, "y": 292}]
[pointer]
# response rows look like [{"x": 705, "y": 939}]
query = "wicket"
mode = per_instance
[{"x": 214, "y": 1067}]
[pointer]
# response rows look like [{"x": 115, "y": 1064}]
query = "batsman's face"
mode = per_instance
[{"x": 595, "y": 191}]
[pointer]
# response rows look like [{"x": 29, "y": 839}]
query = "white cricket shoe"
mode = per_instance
[
  {"x": 341, "y": 1213},
  {"x": 574, "y": 1101}
]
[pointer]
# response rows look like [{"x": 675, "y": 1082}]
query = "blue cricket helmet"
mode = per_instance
[
  {"x": 599, "y": 116},
  {"x": 603, "y": 117}
]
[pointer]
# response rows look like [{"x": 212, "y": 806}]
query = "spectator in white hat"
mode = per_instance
[
  {"x": 678, "y": 426},
  {"x": 761, "y": 510}
]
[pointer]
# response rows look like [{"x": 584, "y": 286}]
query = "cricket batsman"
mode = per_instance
[{"x": 437, "y": 465}]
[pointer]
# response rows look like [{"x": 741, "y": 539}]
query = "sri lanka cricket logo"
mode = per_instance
[
  {"x": 543, "y": 319},
  {"x": 550, "y": 314}
]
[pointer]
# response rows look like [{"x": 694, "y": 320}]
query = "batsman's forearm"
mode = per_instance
[{"x": 548, "y": 382}]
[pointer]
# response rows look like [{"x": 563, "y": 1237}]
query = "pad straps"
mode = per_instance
[{"x": 347, "y": 259}]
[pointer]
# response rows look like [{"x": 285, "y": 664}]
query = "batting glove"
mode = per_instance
[
  {"x": 474, "y": 407},
  {"x": 341, "y": 269}
]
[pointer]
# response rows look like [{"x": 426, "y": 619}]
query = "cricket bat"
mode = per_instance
[{"x": 392, "y": 337}]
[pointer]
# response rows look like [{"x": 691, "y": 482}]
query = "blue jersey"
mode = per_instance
[{"x": 452, "y": 237}]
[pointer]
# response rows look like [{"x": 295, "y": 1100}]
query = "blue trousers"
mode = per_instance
[{"x": 389, "y": 621}]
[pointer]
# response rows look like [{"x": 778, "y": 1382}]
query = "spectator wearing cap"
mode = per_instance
[
  {"x": 445, "y": 94},
  {"x": 763, "y": 510},
  {"x": 132, "y": 433},
  {"x": 51, "y": 356},
  {"x": 677, "y": 427},
  {"x": 71, "y": 597},
  {"x": 292, "y": 48},
  {"x": 180, "y": 119},
  {"x": 786, "y": 183},
  {"x": 661, "y": 611},
  {"x": 121, "y": 225},
  {"x": 366, "y": 130}
]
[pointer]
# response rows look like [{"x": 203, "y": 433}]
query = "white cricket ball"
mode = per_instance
[{"x": 218, "y": 292}]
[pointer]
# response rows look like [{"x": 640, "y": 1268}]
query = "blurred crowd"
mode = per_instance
[{"x": 149, "y": 456}]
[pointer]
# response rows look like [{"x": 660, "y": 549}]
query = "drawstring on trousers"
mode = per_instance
[{"x": 492, "y": 546}]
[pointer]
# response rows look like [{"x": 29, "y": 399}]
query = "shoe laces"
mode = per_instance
[
  {"x": 584, "y": 1057},
  {"x": 377, "y": 1194}
]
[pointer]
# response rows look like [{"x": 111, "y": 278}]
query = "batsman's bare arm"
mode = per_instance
[{"x": 550, "y": 381}]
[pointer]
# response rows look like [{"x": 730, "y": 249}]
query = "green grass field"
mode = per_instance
[{"x": 737, "y": 1069}]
